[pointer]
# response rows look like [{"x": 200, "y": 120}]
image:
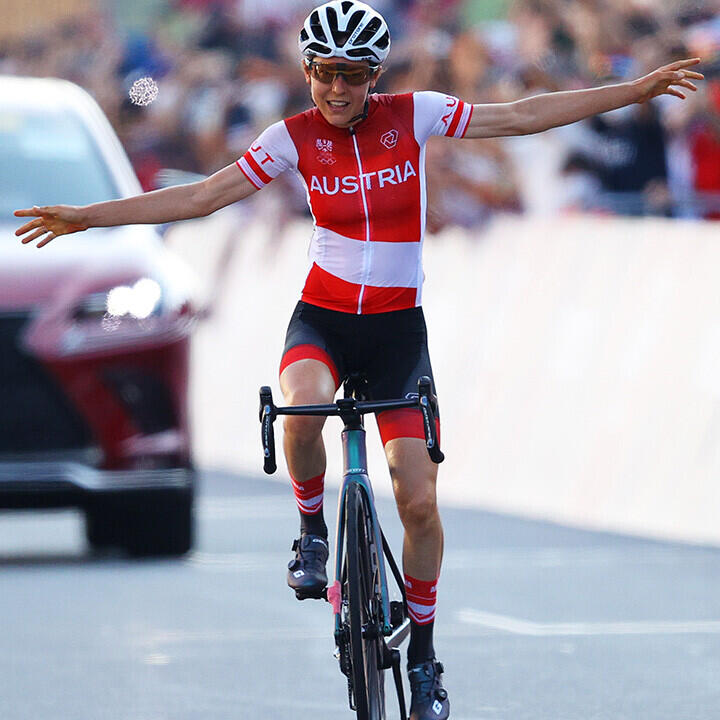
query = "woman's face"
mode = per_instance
[{"x": 334, "y": 94}]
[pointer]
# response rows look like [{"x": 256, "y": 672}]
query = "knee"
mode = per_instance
[
  {"x": 417, "y": 508},
  {"x": 302, "y": 430}
]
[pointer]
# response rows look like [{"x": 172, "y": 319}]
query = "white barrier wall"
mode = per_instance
[{"x": 577, "y": 362}]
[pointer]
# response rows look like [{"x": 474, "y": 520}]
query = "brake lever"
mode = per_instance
[
  {"x": 428, "y": 405},
  {"x": 267, "y": 431}
]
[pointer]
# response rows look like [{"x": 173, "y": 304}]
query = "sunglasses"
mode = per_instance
[{"x": 327, "y": 72}]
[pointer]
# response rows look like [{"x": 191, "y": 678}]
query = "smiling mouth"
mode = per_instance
[{"x": 337, "y": 103}]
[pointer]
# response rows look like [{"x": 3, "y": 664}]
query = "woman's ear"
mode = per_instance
[
  {"x": 376, "y": 77},
  {"x": 306, "y": 70}
]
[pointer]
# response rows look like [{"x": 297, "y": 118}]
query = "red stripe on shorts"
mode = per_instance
[
  {"x": 406, "y": 422},
  {"x": 310, "y": 352}
]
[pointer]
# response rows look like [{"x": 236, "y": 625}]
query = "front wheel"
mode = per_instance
[{"x": 362, "y": 592}]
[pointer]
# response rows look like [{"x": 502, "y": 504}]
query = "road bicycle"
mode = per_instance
[{"x": 369, "y": 626}]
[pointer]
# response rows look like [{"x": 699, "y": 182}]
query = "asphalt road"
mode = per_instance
[{"x": 535, "y": 621}]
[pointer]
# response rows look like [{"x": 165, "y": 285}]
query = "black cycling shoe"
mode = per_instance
[
  {"x": 306, "y": 573},
  {"x": 429, "y": 698}
]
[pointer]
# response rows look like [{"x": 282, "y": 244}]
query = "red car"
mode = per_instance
[{"x": 95, "y": 335}]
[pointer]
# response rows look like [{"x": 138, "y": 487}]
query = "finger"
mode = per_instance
[
  {"x": 44, "y": 242},
  {"x": 34, "y": 236},
  {"x": 694, "y": 75},
  {"x": 683, "y": 63},
  {"x": 27, "y": 212},
  {"x": 676, "y": 93},
  {"x": 687, "y": 84},
  {"x": 29, "y": 226}
]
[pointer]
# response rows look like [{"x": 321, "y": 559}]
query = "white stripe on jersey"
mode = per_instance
[{"x": 395, "y": 264}]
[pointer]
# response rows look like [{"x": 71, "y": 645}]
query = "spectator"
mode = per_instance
[
  {"x": 705, "y": 151},
  {"x": 227, "y": 68}
]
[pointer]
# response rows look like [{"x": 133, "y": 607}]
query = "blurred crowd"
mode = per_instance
[{"x": 228, "y": 68}]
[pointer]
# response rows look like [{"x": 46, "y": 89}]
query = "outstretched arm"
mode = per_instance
[
  {"x": 182, "y": 202},
  {"x": 542, "y": 112}
]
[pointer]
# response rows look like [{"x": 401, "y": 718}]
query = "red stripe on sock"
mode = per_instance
[
  {"x": 422, "y": 599},
  {"x": 307, "y": 492}
]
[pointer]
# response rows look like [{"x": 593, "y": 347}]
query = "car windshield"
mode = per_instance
[{"x": 48, "y": 158}]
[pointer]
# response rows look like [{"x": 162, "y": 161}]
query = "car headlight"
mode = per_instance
[
  {"x": 139, "y": 301},
  {"x": 127, "y": 316}
]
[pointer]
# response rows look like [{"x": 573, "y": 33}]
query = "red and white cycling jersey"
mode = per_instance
[{"x": 366, "y": 191}]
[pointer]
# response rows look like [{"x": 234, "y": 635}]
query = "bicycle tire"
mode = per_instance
[{"x": 364, "y": 603}]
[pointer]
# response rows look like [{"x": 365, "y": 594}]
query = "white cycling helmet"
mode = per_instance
[{"x": 346, "y": 28}]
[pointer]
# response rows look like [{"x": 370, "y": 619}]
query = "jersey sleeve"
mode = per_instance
[
  {"x": 271, "y": 154},
  {"x": 438, "y": 114}
]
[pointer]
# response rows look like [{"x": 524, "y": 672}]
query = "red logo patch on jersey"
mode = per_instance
[{"x": 389, "y": 139}]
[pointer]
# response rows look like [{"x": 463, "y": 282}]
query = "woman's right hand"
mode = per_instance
[{"x": 50, "y": 222}]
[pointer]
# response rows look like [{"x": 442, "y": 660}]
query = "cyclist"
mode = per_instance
[{"x": 361, "y": 157}]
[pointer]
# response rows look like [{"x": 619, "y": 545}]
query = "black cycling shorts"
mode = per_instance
[{"x": 389, "y": 349}]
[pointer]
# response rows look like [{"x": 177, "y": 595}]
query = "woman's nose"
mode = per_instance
[{"x": 339, "y": 84}]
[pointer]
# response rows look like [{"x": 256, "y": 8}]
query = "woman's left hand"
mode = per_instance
[{"x": 667, "y": 79}]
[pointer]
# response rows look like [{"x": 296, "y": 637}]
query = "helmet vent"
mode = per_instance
[
  {"x": 354, "y": 22},
  {"x": 316, "y": 27},
  {"x": 317, "y": 49},
  {"x": 384, "y": 41},
  {"x": 360, "y": 53},
  {"x": 339, "y": 36},
  {"x": 346, "y": 6},
  {"x": 367, "y": 34}
]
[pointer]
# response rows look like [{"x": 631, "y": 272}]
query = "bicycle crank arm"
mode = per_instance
[
  {"x": 399, "y": 634},
  {"x": 397, "y": 677}
]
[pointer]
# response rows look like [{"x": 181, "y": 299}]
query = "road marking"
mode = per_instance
[
  {"x": 518, "y": 626},
  {"x": 233, "y": 562},
  {"x": 157, "y": 659}
]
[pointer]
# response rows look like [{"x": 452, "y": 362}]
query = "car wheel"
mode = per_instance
[
  {"x": 102, "y": 527},
  {"x": 159, "y": 524}
]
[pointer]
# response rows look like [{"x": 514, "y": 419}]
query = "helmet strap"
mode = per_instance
[{"x": 364, "y": 113}]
